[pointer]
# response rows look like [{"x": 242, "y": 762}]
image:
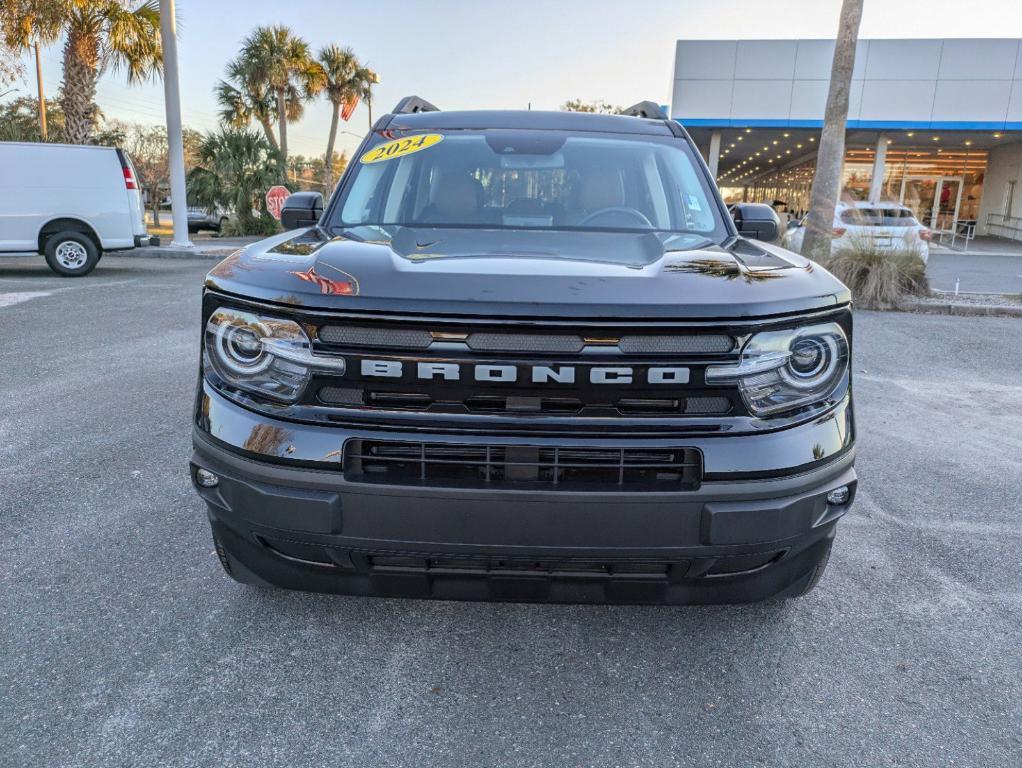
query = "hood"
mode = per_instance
[{"x": 525, "y": 273}]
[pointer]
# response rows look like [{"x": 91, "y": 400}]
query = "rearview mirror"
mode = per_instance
[
  {"x": 302, "y": 209},
  {"x": 757, "y": 221}
]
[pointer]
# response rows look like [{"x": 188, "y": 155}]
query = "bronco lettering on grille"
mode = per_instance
[{"x": 537, "y": 374}]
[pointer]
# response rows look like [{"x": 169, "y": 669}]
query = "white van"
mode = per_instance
[{"x": 68, "y": 202}]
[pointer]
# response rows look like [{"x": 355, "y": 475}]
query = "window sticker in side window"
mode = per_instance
[
  {"x": 693, "y": 203},
  {"x": 400, "y": 147}
]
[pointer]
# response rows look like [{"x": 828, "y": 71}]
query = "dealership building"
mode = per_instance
[{"x": 933, "y": 124}]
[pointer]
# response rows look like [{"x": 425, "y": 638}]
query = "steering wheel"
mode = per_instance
[{"x": 618, "y": 211}]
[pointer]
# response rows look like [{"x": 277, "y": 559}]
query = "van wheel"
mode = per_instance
[{"x": 71, "y": 254}]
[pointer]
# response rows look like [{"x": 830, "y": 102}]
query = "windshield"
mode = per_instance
[{"x": 528, "y": 180}]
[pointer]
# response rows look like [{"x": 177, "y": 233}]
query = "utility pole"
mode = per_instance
[
  {"x": 42, "y": 97},
  {"x": 175, "y": 140}
]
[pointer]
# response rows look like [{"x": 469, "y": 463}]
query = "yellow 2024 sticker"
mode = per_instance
[{"x": 400, "y": 147}]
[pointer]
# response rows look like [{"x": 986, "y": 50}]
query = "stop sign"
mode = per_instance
[{"x": 275, "y": 197}]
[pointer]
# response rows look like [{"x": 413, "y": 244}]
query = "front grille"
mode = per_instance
[
  {"x": 451, "y": 369},
  {"x": 522, "y": 466},
  {"x": 417, "y": 339}
]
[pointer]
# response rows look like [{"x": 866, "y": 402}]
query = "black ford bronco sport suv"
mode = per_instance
[{"x": 525, "y": 356}]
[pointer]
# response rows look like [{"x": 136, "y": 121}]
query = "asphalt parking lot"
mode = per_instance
[{"x": 123, "y": 643}]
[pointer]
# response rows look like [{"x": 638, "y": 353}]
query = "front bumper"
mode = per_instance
[{"x": 736, "y": 538}]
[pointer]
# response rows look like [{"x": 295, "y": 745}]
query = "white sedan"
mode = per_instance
[{"x": 885, "y": 226}]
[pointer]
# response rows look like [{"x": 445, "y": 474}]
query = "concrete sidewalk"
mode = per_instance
[
  {"x": 202, "y": 248},
  {"x": 975, "y": 272},
  {"x": 980, "y": 246}
]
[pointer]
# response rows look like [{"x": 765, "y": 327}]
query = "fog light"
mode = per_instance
[
  {"x": 839, "y": 496},
  {"x": 207, "y": 479}
]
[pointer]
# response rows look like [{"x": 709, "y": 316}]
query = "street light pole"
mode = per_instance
[
  {"x": 42, "y": 97},
  {"x": 175, "y": 140}
]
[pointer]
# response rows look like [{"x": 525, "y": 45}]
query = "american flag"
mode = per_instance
[
  {"x": 348, "y": 109},
  {"x": 326, "y": 285}
]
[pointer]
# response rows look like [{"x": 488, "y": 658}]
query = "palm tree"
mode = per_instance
[
  {"x": 243, "y": 98},
  {"x": 280, "y": 60},
  {"x": 830, "y": 157},
  {"x": 233, "y": 165},
  {"x": 102, "y": 34},
  {"x": 344, "y": 79},
  {"x": 24, "y": 25}
]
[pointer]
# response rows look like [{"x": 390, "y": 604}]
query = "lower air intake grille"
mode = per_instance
[{"x": 507, "y": 466}]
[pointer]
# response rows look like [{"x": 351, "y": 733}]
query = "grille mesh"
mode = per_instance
[
  {"x": 359, "y": 336},
  {"x": 341, "y": 396},
  {"x": 519, "y": 342},
  {"x": 704, "y": 344}
]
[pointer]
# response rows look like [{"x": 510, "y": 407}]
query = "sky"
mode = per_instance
[{"x": 464, "y": 54}]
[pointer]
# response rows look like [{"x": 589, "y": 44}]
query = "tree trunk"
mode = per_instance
[
  {"x": 830, "y": 157},
  {"x": 78, "y": 98},
  {"x": 282, "y": 114},
  {"x": 268, "y": 130},
  {"x": 243, "y": 208},
  {"x": 328, "y": 172},
  {"x": 154, "y": 201}
]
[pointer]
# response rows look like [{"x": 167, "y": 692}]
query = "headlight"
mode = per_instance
[
  {"x": 784, "y": 370},
  {"x": 265, "y": 355}
]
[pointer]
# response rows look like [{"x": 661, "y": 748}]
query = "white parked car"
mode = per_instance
[
  {"x": 70, "y": 203},
  {"x": 887, "y": 226}
]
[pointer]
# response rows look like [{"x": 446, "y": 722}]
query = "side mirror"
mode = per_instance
[
  {"x": 756, "y": 220},
  {"x": 302, "y": 209}
]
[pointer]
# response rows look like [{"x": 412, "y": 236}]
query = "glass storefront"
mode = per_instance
[{"x": 943, "y": 187}]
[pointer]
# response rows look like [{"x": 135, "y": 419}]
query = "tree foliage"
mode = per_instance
[
  {"x": 276, "y": 62},
  {"x": 147, "y": 145},
  {"x": 11, "y": 66},
  {"x": 99, "y": 36},
  {"x": 344, "y": 78},
  {"x": 234, "y": 166},
  {"x": 577, "y": 105},
  {"x": 19, "y": 121}
]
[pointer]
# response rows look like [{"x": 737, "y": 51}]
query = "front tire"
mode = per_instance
[{"x": 71, "y": 254}]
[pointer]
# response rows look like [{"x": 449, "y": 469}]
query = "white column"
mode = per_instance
[
  {"x": 713, "y": 156},
  {"x": 175, "y": 142},
  {"x": 876, "y": 185}
]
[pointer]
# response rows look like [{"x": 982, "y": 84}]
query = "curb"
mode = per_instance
[
  {"x": 155, "y": 252},
  {"x": 965, "y": 310}
]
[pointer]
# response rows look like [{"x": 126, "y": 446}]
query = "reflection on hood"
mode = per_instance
[{"x": 630, "y": 249}]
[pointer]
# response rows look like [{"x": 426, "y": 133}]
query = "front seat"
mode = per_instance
[
  {"x": 457, "y": 199},
  {"x": 598, "y": 189}
]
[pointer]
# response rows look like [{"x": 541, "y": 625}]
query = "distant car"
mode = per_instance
[
  {"x": 200, "y": 218},
  {"x": 887, "y": 226},
  {"x": 69, "y": 203}
]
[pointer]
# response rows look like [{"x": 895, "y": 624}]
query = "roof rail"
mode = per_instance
[
  {"x": 411, "y": 104},
  {"x": 649, "y": 109}
]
